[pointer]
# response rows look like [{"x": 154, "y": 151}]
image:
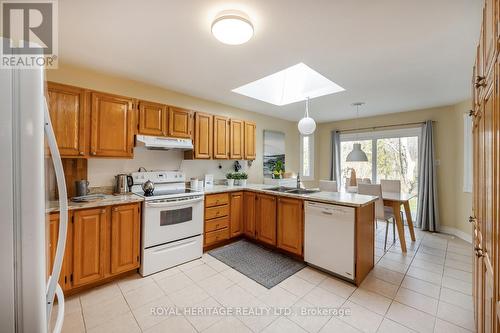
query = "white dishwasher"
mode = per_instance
[{"x": 329, "y": 238}]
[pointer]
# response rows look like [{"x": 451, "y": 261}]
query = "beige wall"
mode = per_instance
[
  {"x": 455, "y": 205},
  {"x": 101, "y": 171}
]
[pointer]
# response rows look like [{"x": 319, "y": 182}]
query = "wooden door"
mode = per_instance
[
  {"x": 125, "y": 240},
  {"x": 221, "y": 137},
  {"x": 51, "y": 236},
  {"x": 180, "y": 123},
  {"x": 291, "y": 225},
  {"x": 67, "y": 109},
  {"x": 249, "y": 199},
  {"x": 265, "y": 218},
  {"x": 203, "y": 134},
  {"x": 236, "y": 215},
  {"x": 88, "y": 245},
  {"x": 237, "y": 140},
  {"x": 153, "y": 119},
  {"x": 250, "y": 131},
  {"x": 112, "y": 133}
]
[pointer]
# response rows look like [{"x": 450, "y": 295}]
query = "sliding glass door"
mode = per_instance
[{"x": 392, "y": 154}]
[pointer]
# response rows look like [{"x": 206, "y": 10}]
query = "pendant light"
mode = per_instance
[
  {"x": 307, "y": 125},
  {"x": 357, "y": 154}
]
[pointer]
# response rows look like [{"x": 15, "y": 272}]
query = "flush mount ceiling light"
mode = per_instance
[
  {"x": 290, "y": 85},
  {"x": 232, "y": 27},
  {"x": 357, "y": 154}
]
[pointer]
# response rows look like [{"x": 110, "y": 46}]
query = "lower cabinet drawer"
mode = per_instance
[
  {"x": 218, "y": 211},
  {"x": 216, "y": 199},
  {"x": 216, "y": 224},
  {"x": 213, "y": 237}
]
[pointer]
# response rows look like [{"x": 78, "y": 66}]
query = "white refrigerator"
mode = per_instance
[{"x": 26, "y": 297}]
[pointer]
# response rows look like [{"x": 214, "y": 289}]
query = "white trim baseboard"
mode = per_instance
[{"x": 458, "y": 233}]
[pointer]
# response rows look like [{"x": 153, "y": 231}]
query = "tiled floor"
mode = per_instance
[{"x": 426, "y": 290}]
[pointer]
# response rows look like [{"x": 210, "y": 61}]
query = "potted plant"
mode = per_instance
[
  {"x": 242, "y": 176},
  {"x": 278, "y": 170},
  {"x": 230, "y": 176}
]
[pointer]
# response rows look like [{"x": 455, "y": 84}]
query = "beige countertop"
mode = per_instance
[
  {"x": 337, "y": 198},
  {"x": 108, "y": 200}
]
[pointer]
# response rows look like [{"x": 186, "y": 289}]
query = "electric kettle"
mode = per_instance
[{"x": 123, "y": 183}]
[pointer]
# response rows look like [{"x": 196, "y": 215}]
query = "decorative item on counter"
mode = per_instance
[
  {"x": 209, "y": 181},
  {"x": 236, "y": 166},
  {"x": 230, "y": 179},
  {"x": 352, "y": 179},
  {"x": 194, "y": 184},
  {"x": 278, "y": 170}
]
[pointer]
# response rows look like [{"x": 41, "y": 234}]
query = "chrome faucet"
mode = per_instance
[{"x": 298, "y": 181}]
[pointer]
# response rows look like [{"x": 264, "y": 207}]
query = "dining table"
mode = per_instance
[{"x": 395, "y": 200}]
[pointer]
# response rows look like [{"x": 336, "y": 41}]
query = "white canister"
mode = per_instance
[{"x": 194, "y": 183}]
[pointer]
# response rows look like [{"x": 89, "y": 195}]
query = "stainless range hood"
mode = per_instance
[{"x": 162, "y": 143}]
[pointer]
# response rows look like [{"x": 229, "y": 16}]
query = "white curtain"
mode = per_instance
[
  {"x": 467, "y": 153},
  {"x": 427, "y": 209}
]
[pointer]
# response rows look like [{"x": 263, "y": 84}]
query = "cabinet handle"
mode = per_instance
[
  {"x": 479, "y": 253},
  {"x": 93, "y": 153},
  {"x": 103, "y": 211},
  {"x": 472, "y": 219},
  {"x": 115, "y": 209},
  {"x": 81, "y": 153}
]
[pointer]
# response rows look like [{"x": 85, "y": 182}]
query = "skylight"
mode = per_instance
[{"x": 293, "y": 84}]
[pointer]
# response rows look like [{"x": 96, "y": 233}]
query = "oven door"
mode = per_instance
[{"x": 168, "y": 221}]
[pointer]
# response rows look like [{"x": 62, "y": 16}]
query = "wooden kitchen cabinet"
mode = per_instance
[
  {"x": 153, "y": 119},
  {"x": 68, "y": 115},
  {"x": 203, "y": 133},
  {"x": 249, "y": 199},
  {"x": 217, "y": 215},
  {"x": 265, "y": 218},
  {"x": 125, "y": 238},
  {"x": 250, "y": 131},
  {"x": 221, "y": 137},
  {"x": 180, "y": 123},
  {"x": 112, "y": 129},
  {"x": 236, "y": 140},
  {"x": 290, "y": 225},
  {"x": 51, "y": 237},
  {"x": 236, "y": 215}
]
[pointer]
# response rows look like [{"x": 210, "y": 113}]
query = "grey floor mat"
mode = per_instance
[{"x": 258, "y": 263}]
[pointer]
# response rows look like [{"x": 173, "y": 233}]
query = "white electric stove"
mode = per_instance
[{"x": 172, "y": 221}]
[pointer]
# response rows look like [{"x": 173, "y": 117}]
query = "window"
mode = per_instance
[
  {"x": 392, "y": 154},
  {"x": 307, "y": 157}
]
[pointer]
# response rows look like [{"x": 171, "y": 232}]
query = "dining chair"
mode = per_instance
[
  {"x": 363, "y": 180},
  {"x": 328, "y": 185},
  {"x": 381, "y": 213},
  {"x": 393, "y": 186}
]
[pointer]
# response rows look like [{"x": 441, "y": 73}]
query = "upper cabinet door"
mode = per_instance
[
  {"x": 112, "y": 133},
  {"x": 489, "y": 32},
  {"x": 203, "y": 131},
  {"x": 67, "y": 109},
  {"x": 237, "y": 139},
  {"x": 153, "y": 118},
  {"x": 221, "y": 137},
  {"x": 180, "y": 123},
  {"x": 250, "y": 129}
]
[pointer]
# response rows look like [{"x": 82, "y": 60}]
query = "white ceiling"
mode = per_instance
[{"x": 395, "y": 55}]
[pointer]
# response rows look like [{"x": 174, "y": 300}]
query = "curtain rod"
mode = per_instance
[{"x": 382, "y": 126}]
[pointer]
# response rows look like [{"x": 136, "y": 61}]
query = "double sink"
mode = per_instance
[{"x": 292, "y": 190}]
